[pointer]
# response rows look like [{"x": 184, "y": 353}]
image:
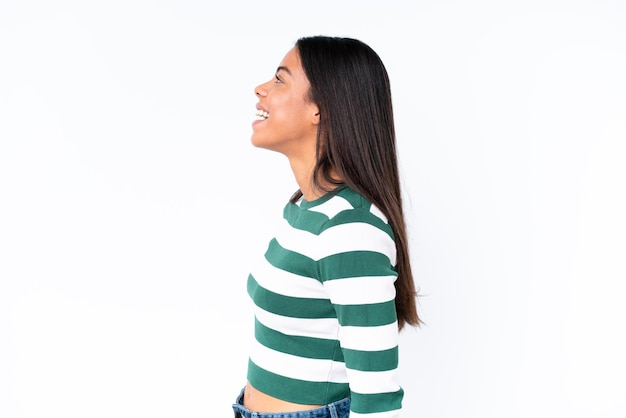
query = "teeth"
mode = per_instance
[{"x": 261, "y": 114}]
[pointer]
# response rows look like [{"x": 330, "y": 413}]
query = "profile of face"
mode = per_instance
[{"x": 286, "y": 120}]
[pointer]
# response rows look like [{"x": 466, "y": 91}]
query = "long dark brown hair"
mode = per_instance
[{"x": 356, "y": 139}]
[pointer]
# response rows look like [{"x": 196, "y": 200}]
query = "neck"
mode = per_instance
[{"x": 303, "y": 172}]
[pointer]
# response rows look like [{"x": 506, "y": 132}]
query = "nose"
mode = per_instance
[{"x": 262, "y": 89}]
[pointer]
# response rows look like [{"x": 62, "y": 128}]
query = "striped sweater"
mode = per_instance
[{"x": 325, "y": 318}]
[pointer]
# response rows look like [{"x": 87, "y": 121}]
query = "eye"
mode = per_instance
[{"x": 277, "y": 79}]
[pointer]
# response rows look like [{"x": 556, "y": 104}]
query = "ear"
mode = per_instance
[{"x": 315, "y": 117}]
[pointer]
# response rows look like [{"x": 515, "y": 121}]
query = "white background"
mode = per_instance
[{"x": 131, "y": 200}]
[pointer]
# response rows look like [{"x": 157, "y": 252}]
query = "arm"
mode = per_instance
[{"x": 359, "y": 278}]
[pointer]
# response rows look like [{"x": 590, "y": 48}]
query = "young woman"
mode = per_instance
[{"x": 334, "y": 287}]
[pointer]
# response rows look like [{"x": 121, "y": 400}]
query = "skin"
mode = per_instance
[{"x": 290, "y": 129}]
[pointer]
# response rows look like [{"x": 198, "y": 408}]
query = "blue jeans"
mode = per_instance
[{"x": 339, "y": 409}]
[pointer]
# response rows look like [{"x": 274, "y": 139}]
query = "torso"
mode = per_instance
[
  {"x": 258, "y": 401},
  {"x": 289, "y": 359}
]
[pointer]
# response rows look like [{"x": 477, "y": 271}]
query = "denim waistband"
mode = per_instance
[{"x": 339, "y": 409}]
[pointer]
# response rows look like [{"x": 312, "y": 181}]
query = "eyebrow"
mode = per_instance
[{"x": 285, "y": 69}]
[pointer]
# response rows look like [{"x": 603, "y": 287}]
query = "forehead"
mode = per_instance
[{"x": 291, "y": 62}]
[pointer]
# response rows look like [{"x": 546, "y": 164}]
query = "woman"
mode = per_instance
[{"x": 335, "y": 287}]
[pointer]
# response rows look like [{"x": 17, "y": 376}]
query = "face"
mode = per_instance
[{"x": 286, "y": 121}]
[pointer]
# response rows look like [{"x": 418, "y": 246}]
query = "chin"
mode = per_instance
[
  {"x": 256, "y": 142},
  {"x": 259, "y": 141}
]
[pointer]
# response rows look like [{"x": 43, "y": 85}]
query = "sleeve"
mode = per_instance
[{"x": 359, "y": 277}]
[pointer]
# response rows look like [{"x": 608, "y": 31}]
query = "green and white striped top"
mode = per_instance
[{"x": 325, "y": 318}]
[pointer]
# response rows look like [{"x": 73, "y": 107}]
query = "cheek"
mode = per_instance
[{"x": 299, "y": 108}]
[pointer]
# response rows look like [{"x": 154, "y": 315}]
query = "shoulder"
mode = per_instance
[
  {"x": 339, "y": 207},
  {"x": 340, "y": 222},
  {"x": 347, "y": 206}
]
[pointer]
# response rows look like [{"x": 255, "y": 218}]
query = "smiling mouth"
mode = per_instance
[{"x": 262, "y": 114}]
